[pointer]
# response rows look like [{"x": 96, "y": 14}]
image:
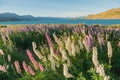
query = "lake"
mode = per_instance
[{"x": 66, "y": 21}]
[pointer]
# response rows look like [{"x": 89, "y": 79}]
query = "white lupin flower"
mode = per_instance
[
  {"x": 94, "y": 57},
  {"x": 3, "y": 38},
  {"x": 50, "y": 57},
  {"x": 106, "y": 78},
  {"x": 1, "y": 52},
  {"x": 53, "y": 54},
  {"x": 85, "y": 45},
  {"x": 65, "y": 71},
  {"x": 7, "y": 35},
  {"x": 77, "y": 48},
  {"x": 81, "y": 44},
  {"x": 9, "y": 58},
  {"x": 73, "y": 48},
  {"x": 99, "y": 68},
  {"x": 36, "y": 51},
  {"x": 2, "y": 68},
  {"x": 67, "y": 45},
  {"x": 109, "y": 50},
  {"x": 60, "y": 43},
  {"x": 64, "y": 55}
]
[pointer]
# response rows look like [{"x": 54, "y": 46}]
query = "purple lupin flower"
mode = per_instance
[
  {"x": 91, "y": 39},
  {"x": 87, "y": 43},
  {"x": 100, "y": 41}
]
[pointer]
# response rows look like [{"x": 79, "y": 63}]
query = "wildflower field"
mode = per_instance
[{"x": 59, "y": 52}]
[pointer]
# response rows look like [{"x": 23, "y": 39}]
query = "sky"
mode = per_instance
[{"x": 57, "y": 8}]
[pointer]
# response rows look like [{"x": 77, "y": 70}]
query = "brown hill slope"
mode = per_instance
[{"x": 110, "y": 14}]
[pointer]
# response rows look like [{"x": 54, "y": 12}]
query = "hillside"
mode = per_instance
[{"x": 110, "y": 14}]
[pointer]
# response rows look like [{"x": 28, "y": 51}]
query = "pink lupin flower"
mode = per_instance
[
  {"x": 119, "y": 44},
  {"x": 31, "y": 71},
  {"x": 25, "y": 67},
  {"x": 9, "y": 58},
  {"x": 17, "y": 66},
  {"x": 32, "y": 59},
  {"x": 41, "y": 67},
  {"x": 49, "y": 39}
]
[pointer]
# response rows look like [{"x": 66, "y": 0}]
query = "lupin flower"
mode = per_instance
[
  {"x": 3, "y": 38},
  {"x": 64, "y": 55},
  {"x": 36, "y": 51},
  {"x": 80, "y": 43},
  {"x": 32, "y": 59},
  {"x": 41, "y": 67},
  {"x": 25, "y": 67},
  {"x": 60, "y": 43},
  {"x": 83, "y": 31},
  {"x": 53, "y": 54},
  {"x": 106, "y": 78},
  {"x": 68, "y": 45},
  {"x": 17, "y": 66},
  {"x": 73, "y": 48},
  {"x": 9, "y": 58},
  {"x": 57, "y": 51},
  {"x": 65, "y": 71},
  {"x": 31, "y": 70},
  {"x": 2, "y": 68},
  {"x": 99, "y": 68},
  {"x": 109, "y": 51},
  {"x": 50, "y": 57},
  {"x": 87, "y": 43},
  {"x": 94, "y": 57},
  {"x": 49, "y": 39},
  {"x": 51, "y": 46},
  {"x": 100, "y": 40},
  {"x": 1, "y": 52},
  {"x": 91, "y": 39}
]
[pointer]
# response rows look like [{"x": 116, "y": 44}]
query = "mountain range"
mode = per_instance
[{"x": 15, "y": 17}]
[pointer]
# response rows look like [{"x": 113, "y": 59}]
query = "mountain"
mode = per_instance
[
  {"x": 15, "y": 17},
  {"x": 110, "y": 14}
]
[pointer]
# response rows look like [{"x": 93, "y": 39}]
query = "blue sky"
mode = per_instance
[{"x": 57, "y": 8}]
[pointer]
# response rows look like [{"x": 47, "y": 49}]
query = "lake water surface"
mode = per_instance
[{"x": 66, "y": 21}]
